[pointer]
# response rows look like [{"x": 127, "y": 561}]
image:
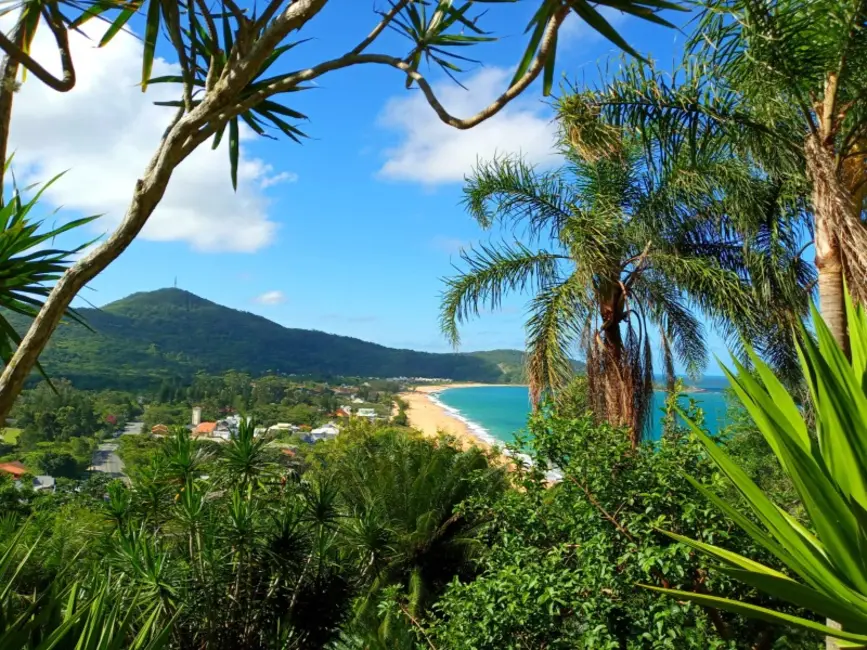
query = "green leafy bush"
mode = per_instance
[{"x": 564, "y": 559}]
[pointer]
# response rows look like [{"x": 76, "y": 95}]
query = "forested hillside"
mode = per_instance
[{"x": 145, "y": 337}]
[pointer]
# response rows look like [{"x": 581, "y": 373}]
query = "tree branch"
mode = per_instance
[
  {"x": 8, "y": 75},
  {"x": 386, "y": 19},
  {"x": 350, "y": 59},
  {"x": 147, "y": 194},
  {"x": 212, "y": 75},
  {"x": 219, "y": 104},
  {"x": 62, "y": 39}
]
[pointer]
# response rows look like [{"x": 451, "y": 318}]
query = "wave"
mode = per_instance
[
  {"x": 552, "y": 474},
  {"x": 475, "y": 428}
]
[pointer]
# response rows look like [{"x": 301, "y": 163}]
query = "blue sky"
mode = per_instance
[{"x": 348, "y": 233}]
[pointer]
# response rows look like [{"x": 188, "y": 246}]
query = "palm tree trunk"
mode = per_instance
[
  {"x": 829, "y": 264},
  {"x": 831, "y": 204},
  {"x": 617, "y": 382}
]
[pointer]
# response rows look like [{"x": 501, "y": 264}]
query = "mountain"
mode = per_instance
[
  {"x": 511, "y": 364},
  {"x": 145, "y": 337}
]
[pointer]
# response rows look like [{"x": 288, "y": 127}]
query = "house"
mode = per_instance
[
  {"x": 341, "y": 413},
  {"x": 283, "y": 426},
  {"x": 44, "y": 483},
  {"x": 16, "y": 469},
  {"x": 159, "y": 430},
  {"x": 326, "y": 432},
  {"x": 366, "y": 413},
  {"x": 357, "y": 400},
  {"x": 205, "y": 430}
]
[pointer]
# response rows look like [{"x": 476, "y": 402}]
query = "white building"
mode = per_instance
[
  {"x": 44, "y": 483},
  {"x": 283, "y": 426},
  {"x": 368, "y": 413},
  {"x": 326, "y": 432}
]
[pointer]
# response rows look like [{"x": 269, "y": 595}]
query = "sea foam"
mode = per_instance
[{"x": 483, "y": 435}]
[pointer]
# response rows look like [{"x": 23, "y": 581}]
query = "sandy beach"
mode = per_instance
[{"x": 430, "y": 418}]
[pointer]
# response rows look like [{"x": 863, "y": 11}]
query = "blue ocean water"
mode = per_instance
[{"x": 495, "y": 413}]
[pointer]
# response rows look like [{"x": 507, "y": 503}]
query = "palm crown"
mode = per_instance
[
  {"x": 778, "y": 84},
  {"x": 615, "y": 243}
]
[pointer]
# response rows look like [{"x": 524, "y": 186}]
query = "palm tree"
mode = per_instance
[
  {"x": 779, "y": 83},
  {"x": 616, "y": 242}
]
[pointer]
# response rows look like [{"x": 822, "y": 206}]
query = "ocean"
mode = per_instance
[{"x": 495, "y": 413}]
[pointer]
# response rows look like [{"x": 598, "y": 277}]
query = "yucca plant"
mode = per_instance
[
  {"x": 29, "y": 262},
  {"x": 828, "y": 468},
  {"x": 70, "y": 615}
]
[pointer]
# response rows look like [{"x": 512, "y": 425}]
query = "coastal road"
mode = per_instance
[{"x": 106, "y": 460}]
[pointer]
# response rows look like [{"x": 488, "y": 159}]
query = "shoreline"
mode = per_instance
[{"x": 430, "y": 416}]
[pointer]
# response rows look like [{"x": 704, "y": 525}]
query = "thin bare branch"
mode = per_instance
[
  {"x": 8, "y": 75},
  {"x": 61, "y": 37},
  {"x": 267, "y": 15},
  {"x": 386, "y": 19}
]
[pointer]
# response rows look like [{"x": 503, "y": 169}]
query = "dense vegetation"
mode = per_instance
[
  {"x": 384, "y": 539},
  {"x": 147, "y": 337},
  {"x": 680, "y": 196}
]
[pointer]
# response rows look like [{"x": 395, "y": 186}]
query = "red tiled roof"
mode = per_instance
[
  {"x": 159, "y": 428},
  {"x": 15, "y": 468},
  {"x": 206, "y": 428}
]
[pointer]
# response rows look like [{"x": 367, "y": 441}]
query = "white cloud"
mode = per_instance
[
  {"x": 271, "y": 298},
  {"x": 431, "y": 152},
  {"x": 276, "y": 179},
  {"x": 104, "y": 132}
]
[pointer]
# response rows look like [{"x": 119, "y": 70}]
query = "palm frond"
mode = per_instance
[
  {"x": 558, "y": 314},
  {"x": 511, "y": 192},
  {"x": 493, "y": 272}
]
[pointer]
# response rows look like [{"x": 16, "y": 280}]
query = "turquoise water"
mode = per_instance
[{"x": 499, "y": 411}]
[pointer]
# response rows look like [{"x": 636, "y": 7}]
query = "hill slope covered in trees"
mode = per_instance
[{"x": 145, "y": 337}]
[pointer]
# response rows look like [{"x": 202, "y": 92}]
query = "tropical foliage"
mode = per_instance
[
  {"x": 230, "y": 546},
  {"x": 30, "y": 262},
  {"x": 618, "y": 244},
  {"x": 564, "y": 558},
  {"x": 781, "y": 85},
  {"x": 826, "y": 468}
]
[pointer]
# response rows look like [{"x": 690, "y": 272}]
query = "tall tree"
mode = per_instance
[
  {"x": 781, "y": 84},
  {"x": 225, "y": 55},
  {"x": 615, "y": 243}
]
